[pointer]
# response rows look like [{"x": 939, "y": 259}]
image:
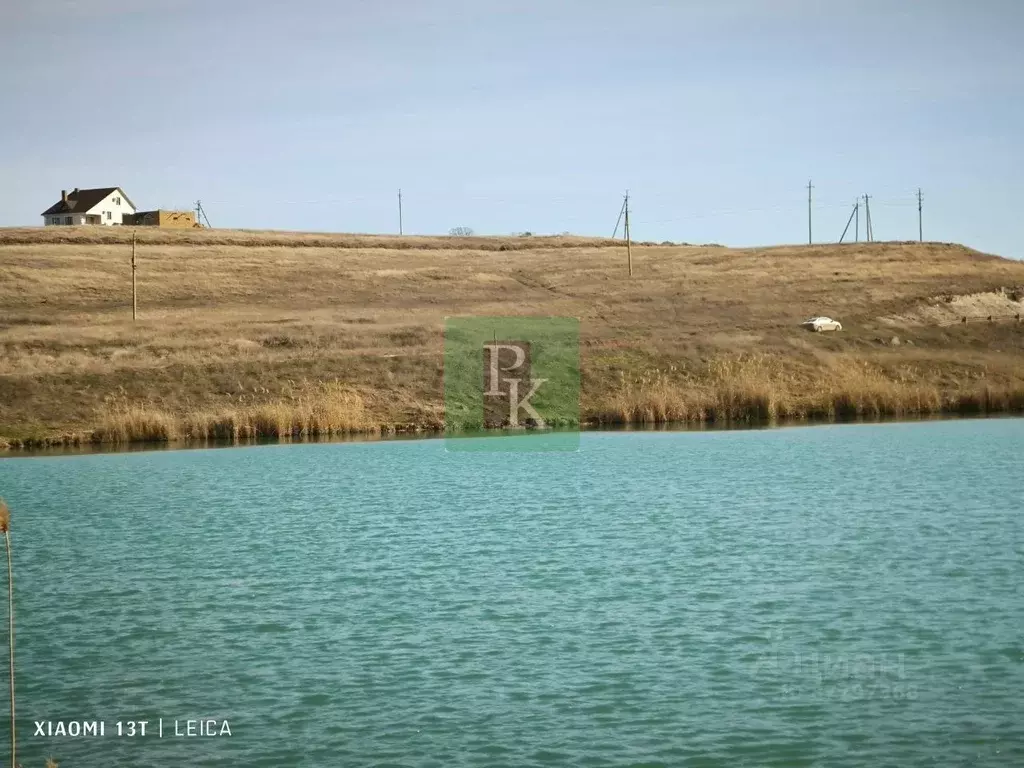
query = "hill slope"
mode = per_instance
[{"x": 242, "y": 331}]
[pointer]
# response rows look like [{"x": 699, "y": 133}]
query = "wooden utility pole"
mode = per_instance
[
  {"x": 629, "y": 252},
  {"x": 920, "y": 231},
  {"x": 135, "y": 300},
  {"x": 856, "y": 226},
  {"x": 400, "y": 211},
  {"x": 809, "y": 188}
]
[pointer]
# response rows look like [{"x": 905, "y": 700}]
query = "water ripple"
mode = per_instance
[{"x": 836, "y": 596}]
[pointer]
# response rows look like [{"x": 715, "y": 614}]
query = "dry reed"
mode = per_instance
[
  {"x": 329, "y": 409},
  {"x": 733, "y": 390},
  {"x": 764, "y": 389}
]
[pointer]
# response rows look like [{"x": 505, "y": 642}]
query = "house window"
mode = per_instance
[
  {"x": 68, "y": 220},
  {"x": 55, "y": 220},
  {"x": 108, "y": 215},
  {"x": 117, "y": 201}
]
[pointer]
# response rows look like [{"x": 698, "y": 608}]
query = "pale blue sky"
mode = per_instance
[{"x": 309, "y": 115}]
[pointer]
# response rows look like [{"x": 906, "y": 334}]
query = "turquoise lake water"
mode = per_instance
[{"x": 822, "y": 596}]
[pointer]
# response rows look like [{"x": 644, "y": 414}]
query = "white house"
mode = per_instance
[{"x": 108, "y": 205}]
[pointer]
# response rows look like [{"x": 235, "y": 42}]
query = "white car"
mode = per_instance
[{"x": 819, "y": 324}]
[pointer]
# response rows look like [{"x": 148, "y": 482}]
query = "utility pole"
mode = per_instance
[
  {"x": 618, "y": 220},
  {"x": 856, "y": 226},
  {"x": 852, "y": 213},
  {"x": 400, "y": 211},
  {"x": 809, "y": 188},
  {"x": 867, "y": 218},
  {"x": 920, "y": 231},
  {"x": 135, "y": 300},
  {"x": 201, "y": 215},
  {"x": 629, "y": 253}
]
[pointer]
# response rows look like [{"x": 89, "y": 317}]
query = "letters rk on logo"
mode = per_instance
[
  {"x": 512, "y": 374},
  {"x": 509, "y": 386}
]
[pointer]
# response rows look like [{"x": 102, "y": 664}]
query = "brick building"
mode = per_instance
[{"x": 162, "y": 218}]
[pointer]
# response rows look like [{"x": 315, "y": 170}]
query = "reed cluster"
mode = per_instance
[
  {"x": 329, "y": 409},
  {"x": 762, "y": 389},
  {"x": 741, "y": 389}
]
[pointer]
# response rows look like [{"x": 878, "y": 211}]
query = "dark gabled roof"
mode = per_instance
[{"x": 82, "y": 200}]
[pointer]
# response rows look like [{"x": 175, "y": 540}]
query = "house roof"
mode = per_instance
[{"x": 82, "y": 200}]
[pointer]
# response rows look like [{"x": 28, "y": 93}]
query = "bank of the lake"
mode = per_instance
[
  {"x": 73, "y": 445},
  {"x": 341, "y": 414},
  {"x": 262, "y": 335},
  {"x": 840, "y": 596}
]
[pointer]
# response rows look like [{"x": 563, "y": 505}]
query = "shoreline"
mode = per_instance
[
  {"x": 91, "y": 448},
  {"x": 333, "y": 411}
]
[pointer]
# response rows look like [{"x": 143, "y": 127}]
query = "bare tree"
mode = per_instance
[{"x": 460, "y": 232}]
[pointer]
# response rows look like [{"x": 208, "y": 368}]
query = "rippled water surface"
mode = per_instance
[{"x": 833, "y": 596}]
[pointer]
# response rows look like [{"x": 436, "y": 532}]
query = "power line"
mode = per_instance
[
  {"x": 817, "y": 206},
  {"x": 663, "y": 201},
  {"x": 664, "y": 204}
]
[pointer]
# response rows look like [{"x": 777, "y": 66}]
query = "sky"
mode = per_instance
[{"x": 535, "y": 116}]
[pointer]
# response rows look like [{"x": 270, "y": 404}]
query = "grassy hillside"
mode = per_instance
[{"x": 269, "y": 333}]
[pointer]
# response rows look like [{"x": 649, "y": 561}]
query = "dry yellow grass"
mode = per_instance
[
  {"x": 756, "y": 389},
  {"x": 270, "y": 334},
  {"x": 331, "y": 409}
]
